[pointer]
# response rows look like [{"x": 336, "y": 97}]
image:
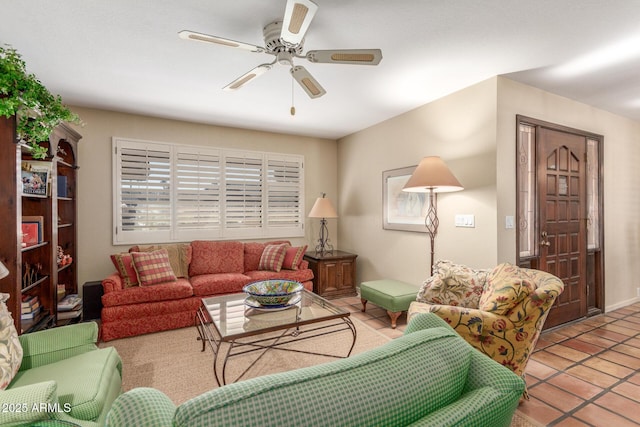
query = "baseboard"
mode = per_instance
[{"x": 621, "y": 304}]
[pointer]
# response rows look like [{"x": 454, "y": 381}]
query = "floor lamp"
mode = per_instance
[{"x": 432, "y": 176}]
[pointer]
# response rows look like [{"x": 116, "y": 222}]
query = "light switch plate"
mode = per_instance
[
  {"x": 509, "y": 222},
  {"x": 465, "y": 221}
]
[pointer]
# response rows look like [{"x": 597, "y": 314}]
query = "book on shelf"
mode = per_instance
[
  {"x": 70, "y": 302},
  {"x": 71, "y": 314},
  {"x": 28, "y": 300},
  {"x": 30, "y": 303},
  {"x": 62, "y": 186},
  {"x": 30, "y": 308},
  {"x": 30, "y": 315}
]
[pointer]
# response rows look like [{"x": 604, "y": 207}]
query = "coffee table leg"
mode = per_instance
[
  {"x": 222, "y": 378},
  {"x": 354, "y": 333},
  {"x": 199, "y": 322}
]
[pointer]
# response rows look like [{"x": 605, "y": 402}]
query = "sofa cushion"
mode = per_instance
[
  {"x": 179, "y": 256},
  {"x": 293, "y": 257},
  {"x": 211, "y": 257},
  {"x": 296, "y": 275},
  {"x": 181, "y": 288},
  {"x": 252, "y": 254},
  {"x": 10, "y": 348},
  {"x": 124, "y": 265},
  {"x": 273, "y": 257},
  {"x": 505, "y": 288},
  {"x": 214, "y": 284},
  {"x": 83, "y": 381},
  {"x": 153, "y": 267}
]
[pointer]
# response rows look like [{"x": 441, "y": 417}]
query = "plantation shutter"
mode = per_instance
[
  {"x": 243, "y": 193},
  {"x": 284, "y": 189},
  {"x": 144, "y": 186},
  {"x": 177, "y": 193},
  {"x": 198, "y": 207}
]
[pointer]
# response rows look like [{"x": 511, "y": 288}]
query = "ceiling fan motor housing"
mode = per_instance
[{"x": 274, "y": 43}]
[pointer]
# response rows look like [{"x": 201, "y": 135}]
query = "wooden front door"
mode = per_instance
[
  {"x": 560, "y": 213},
  {"x": 561, "y": 173}
]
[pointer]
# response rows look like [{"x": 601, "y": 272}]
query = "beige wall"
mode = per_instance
[
  {"x": 621, "y": 178},
  {"x": 95, "y": 176},
  {"x": 461, "y": 129},
  {"x": 473, "y": 130}
]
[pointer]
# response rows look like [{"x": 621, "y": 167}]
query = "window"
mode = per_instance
[
  {"x": 169, "y": 192},
  {"x": 526, "y": 191}
]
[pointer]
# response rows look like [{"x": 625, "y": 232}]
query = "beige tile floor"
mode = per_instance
[{"x": 586, "y": 373}]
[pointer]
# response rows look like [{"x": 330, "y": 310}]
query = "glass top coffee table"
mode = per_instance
[{"x": 233, "y": 326}]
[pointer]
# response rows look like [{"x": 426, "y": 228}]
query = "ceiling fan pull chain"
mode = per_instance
[{"x": 293, "y": 108}]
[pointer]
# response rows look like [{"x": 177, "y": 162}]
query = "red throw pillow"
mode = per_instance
[
  {"x": 124, "y": 265},
  {"x": 273, "y": 257},
  {"x": 293, "y": 257},
  {"x": 153, "y": 267}
]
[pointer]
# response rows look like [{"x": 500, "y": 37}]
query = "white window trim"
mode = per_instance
[{"x": 220, "y": 232}]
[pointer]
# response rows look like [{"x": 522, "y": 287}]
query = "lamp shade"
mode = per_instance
[
  {"x": 432, "y": 174},
  {"x": 323, "y": 208},
  {"x": 4, "y": 272}
]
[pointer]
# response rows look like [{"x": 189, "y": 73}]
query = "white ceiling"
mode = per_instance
[{"x": 125, "y": 55}]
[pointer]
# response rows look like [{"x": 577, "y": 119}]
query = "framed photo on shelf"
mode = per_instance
[
  {"x": 35, "y": 178},
  {"x": 32, "y": 229},
  {"x": 401, "y": 210},
  {"x": 31, "y": 233}
]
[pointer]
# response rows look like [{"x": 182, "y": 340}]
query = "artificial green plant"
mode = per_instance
[{"x": 23, "y": 95}]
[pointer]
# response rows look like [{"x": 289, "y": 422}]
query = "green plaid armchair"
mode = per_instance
[
  {"x": 63, "y": 376},
  {"x": 428, "y": 377}
]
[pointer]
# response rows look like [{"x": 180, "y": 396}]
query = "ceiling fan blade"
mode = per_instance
[
  {"x": 192, "y": 35},
  {"x": 346, "y": 56},
  {"x": 297, "y": 17},
  {"x": 247, "y": 77},
  {"x": 308, "y": 83}
]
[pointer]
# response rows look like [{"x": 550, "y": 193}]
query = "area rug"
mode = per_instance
[{"x": 172, "y": 361}]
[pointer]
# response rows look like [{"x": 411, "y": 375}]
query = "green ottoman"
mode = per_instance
[{"x": 392, "y": 295}]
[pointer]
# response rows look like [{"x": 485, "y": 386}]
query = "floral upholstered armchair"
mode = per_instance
[{"x": 499, "y": 312}]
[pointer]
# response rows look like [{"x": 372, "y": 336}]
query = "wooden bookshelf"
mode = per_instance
[{"x": 33, "y": 268}]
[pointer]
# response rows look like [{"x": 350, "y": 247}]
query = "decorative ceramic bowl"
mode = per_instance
[{"x": 273, "y": 292}]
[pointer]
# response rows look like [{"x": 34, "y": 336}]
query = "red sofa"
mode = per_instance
[{"x": 214, "y": 268}]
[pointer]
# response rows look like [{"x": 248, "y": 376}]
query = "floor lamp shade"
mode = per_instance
[{"x": 432, "y": 176}]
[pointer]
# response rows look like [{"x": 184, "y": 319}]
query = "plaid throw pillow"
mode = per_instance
[
  {"x": 153, "y": 267},
  {"x": 273, "y": 257}
]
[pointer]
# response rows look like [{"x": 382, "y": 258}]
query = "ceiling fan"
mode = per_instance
[{"x": 285, "y": 40}]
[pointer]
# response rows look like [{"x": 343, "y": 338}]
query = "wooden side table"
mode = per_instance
[{"x": 334, "y": 273}]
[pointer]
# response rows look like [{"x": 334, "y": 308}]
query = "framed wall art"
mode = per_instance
[{"x": 401, "y": 210}]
